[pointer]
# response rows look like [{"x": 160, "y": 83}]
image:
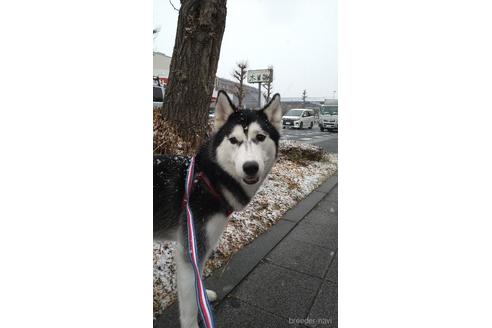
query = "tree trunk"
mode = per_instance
[
  {"x": 193, "y": 67},
  {"x": 268, "y": 88},
  {"x": 240, "y": 75}
]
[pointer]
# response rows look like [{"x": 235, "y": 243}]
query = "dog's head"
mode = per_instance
[{"x": 246, "y": 141}]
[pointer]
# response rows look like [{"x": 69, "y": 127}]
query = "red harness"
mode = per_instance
[{"x": 201, "y": 176}]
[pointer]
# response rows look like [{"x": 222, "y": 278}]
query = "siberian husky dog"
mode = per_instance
[{"x": 229, "y": 169}]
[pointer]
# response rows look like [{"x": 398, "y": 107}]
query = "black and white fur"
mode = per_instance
[{"x": 236, "y": 160}]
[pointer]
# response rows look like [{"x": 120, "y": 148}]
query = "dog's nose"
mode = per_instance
[{"x": 250, "y": 168}]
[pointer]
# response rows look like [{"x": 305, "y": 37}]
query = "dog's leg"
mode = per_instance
[
  {"x": 206, "y": 238},
  {"x": 215, "y": 227},
  {"x": 186, "y": 290},
  {"x": 188, "y": 310}
]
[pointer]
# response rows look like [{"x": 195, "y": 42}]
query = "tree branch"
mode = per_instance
[{"x": 173, "y": 6}]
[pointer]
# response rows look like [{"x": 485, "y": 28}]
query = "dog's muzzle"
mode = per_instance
[{"x": 251, "y": 170}]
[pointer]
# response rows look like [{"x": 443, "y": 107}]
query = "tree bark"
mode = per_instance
[{"x": 201, "y": 25}]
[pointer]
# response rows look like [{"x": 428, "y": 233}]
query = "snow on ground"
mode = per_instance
[{"x": 300, "y": 169}]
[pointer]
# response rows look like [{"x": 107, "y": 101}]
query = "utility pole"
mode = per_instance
[{"x": 304, "y": 96}]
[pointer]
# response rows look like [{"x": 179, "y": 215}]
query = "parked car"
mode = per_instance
[
  {"x": 328, "y": 118},
  {"x": 211, "y": 113},
  {"x": 159, "y": 91},
  {"x": 299, "y": 118}
]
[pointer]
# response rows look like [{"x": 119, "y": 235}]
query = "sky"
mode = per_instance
[{"x": 297, "y": 37}]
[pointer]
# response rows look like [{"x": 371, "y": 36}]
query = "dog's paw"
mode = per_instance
[{"x": 212, "y": 296}]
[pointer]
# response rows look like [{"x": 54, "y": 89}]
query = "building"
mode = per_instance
[
  {"x": 251, "y": 94},
  {"x": 162, "y": 63},
  {"x": 161, "y": 66}
]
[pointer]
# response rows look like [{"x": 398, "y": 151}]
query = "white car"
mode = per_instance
[
  {"x": 299, "y": 118},
  {"x": 328, "y": 118}
]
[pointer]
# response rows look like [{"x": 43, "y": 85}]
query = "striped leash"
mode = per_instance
[{"x": 201, "y": 293}]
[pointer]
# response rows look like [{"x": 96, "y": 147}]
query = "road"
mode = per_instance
[{"x": 326, "y": 140}]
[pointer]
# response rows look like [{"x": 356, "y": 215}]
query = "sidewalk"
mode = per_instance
[{"x": 287, "y": 277}]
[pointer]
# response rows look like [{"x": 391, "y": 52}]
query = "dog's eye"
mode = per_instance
[
  {"x": 233, "y": 140},
  {"x": 260, "y": 137}
]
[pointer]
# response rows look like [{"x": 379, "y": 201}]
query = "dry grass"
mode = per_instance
[
  {"x": 301, "y": 156},
  {"x": 168, "y": 141}
]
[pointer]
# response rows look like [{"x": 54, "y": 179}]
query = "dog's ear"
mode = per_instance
[
  {"x": 223, "y": 108},
  {"x": 273, "y": 111}
]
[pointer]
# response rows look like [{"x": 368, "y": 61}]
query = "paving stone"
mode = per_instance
[
  {"x": 317, "y": 234},
  {"x": 301, "y": 256},
  {"x": 233, "y": 312},
  {"x": 304, "y": 207},
  {"x": 335, "y": 319},
  {"x": 332, "y": 274},
  {"x": 223, "y": 280},
  {"x": 278, "y": 290},
  {"x": 325, "y": 308},
  {"x": 169, "y": 318},
  {"x": 325, "y": 212}
]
